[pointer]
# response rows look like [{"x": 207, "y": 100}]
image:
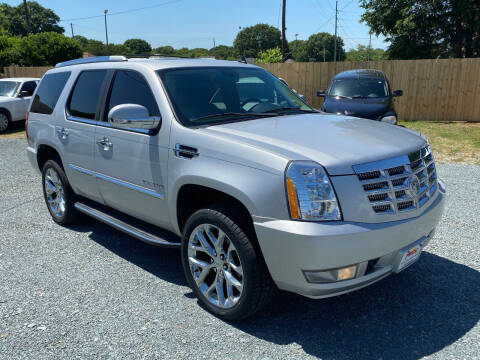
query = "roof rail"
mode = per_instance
[{"x": 94, "y": 59}]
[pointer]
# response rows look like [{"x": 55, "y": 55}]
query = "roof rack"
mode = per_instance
[{"x": 94, "y": 59}]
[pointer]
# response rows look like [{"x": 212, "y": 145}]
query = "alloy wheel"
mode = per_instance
[
  {"x": 3, "y": 122},
  {"x": 55, "y": 193},
  {"x": 215, "y": 266}
]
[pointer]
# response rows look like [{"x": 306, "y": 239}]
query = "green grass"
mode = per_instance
[
  {"x": 17, "y": 131},
  {"x": 451, "y": 142}
]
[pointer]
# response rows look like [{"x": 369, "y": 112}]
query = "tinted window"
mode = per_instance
[
  {"x": 48, "y": 92},
  {"x": 29, "y": 86},
  {"x": 359, "y": 88},
  {"x": 204, "y": 95},
  {"x": 129, "y": 87},
  {"x": 7, "y": 88},
  {"x": 86, "y": 94}
]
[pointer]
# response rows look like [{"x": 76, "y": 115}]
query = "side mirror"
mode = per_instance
[
  {"x": 24, "y": 93},
  {"x": 320, "y": 93},
  {"x": 132, "y": 116},
  {"x": 397, "y": 93},
  {"x": 303, "y": 98}
]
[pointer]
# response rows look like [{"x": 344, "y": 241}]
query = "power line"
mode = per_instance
[{"x": 122, "y": 12}]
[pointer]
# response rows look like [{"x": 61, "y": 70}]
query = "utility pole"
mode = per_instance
[
  {"x": 27, "y": 16},
  {"x": 369, "y": 47},
  {"x": 335, "y": 42},
  {"x": 71, "y": 27},
  {"x": 106, "y": 31},
  {"x": 214, "y": 44},
  {"x": 284, "y": 40},
  {"x": 296, "y": 36},
  {"x": 323, "y": 53}
]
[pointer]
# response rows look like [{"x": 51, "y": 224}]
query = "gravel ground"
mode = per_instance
[{"x": 92, "y": 292}]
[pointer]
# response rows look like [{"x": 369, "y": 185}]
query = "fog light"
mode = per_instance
[{"x": 332, "y": 275}]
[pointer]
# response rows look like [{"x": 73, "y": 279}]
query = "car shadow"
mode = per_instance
[{"x": 406, "y": 316}]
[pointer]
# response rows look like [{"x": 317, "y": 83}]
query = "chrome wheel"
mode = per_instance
[
  {"x": 54, "y": 193},
  {"x": 215, "y": 265},
  {"x": 3, "y": 122}
]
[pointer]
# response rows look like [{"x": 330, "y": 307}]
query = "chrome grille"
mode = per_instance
[{"x": 400, "y": 184}]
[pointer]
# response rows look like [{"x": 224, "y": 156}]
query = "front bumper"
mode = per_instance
[{"x": 291, "y": 247}]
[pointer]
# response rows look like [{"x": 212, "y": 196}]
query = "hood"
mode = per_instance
[
  {"x": 334, "y": 141},
  {"x": 363, "y": 108},
  {"x": 5, "y": 98}
]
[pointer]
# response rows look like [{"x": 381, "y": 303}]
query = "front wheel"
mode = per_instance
[
  {"x": 222, "y": 266},
  {"x": 4, "y": 122}
]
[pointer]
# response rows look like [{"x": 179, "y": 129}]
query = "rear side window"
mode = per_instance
[
  {"x": 129, "y": 87},
  {"x": 48, "y": 92},
  {"x": 86, "y": 94}
]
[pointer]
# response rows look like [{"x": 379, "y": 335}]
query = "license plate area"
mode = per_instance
[{"x": 407, "y": 257}]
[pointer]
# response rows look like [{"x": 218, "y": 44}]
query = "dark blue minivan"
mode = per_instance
[{"x": 361, "y": 93}]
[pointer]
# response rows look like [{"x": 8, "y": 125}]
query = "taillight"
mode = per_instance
[{"x": 26, "y": 127}]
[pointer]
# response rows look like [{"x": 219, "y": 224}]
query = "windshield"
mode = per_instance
[
  {"x": 359, "y": 88},
  {"x": 7, "y": 88},
  {"x": 206, "y": 95}
]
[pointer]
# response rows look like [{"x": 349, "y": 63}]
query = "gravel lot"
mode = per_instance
[{"x": 92, "y": 292}]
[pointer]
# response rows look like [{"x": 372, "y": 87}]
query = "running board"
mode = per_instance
[{"x": 131, "y": 226}]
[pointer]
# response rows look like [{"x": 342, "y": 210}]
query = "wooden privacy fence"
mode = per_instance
[{"x": 434, "y": 90}]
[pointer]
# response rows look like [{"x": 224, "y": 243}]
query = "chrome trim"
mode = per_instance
[
  {"x": 129, "y": 185},
  {"x": 118, "y": 182},
  {"x": 400, "y": 184},
  {"x": 81, "y": 170},
  {"x": 95, "y": 59},
  {"x": 185, "y": 152},
  {"x": 105, "y": 124},
  {"x": 81, "y": 120},
  {"x": 120, "y": 225}
]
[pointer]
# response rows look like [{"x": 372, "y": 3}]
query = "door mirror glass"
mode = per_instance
[
  {"x": 397, "y": 93},
  {"x": 303, "y": 97},
  {"x": 321, "y": 93},
  {"x": 24, "y": 93},
  {"x": 132, "y": 116}
]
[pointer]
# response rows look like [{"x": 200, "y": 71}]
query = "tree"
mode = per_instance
[
  {"x": 365, "y": 53},
  {"x": 426, "y": 28},
  {"x": 138, "y": 46},
  {"x": 254, "y": 39},
  {"x": 41, "y": 19},
  {"x": 223, "y": 52},
  {"x": 164, "y": 50},
  {"x": 9, "y": 50},
  {"x": 298, "y": 50},
  {"x": 269, "y": 56},
  {"x": 323, "y": 43},
  {"x": 47, "y": 48}
]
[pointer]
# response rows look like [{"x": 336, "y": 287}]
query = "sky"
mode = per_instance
[{"x": 194, "y": 23}]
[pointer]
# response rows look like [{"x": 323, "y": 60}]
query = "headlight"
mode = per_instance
[
  {"x": 310, "y": 193},
  {"x": 390, "y": 119}
]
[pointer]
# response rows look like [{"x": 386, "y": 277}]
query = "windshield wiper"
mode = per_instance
[
  {"x": 359, "y": 97},
  {"x": 230, "y": 115},
  {"x": 289, "y": 109},
  {"x": 341, "y": 96}
]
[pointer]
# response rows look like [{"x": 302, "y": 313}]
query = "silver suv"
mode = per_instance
[{"x": 223, "y": 160}]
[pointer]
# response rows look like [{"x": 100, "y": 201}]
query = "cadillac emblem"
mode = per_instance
[{"x": 413, "y": 186}]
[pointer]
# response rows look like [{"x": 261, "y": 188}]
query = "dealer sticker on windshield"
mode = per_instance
[{"x": 409, "y": 257}]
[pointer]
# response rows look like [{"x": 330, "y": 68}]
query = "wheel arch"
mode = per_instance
[
  {"x": 7, "y": 112},
  {"x": 47, "y": 152}
]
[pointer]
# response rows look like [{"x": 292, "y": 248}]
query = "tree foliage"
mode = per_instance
[
  {"x": 321, "y": 44},
  {"x": 365, "y": 53},
  {"x": 269, "y": 56},
  {"x": 137, "y": 46},
  {"x": 298, "y": 50},
  {"x": 47, "y": 48},
  {"x": 223, "y": 52},
  {"x": 41, "y": 19},
  {"x": 426, "y": 28},
  {"x": 254, "y": 39},
  {"x": 9, "y": 47}
]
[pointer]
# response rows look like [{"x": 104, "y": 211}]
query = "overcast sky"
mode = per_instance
[{"x": 194, "y": 23}]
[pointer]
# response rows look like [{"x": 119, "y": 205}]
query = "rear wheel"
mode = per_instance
[
  {"x": 222, "y": 266},
  {"x": 4, "y": 121},
  {"x": 58, "y": 194}
]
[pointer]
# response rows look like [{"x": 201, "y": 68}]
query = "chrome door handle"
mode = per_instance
[
  {"x": 62, "y": 132},
  {"x": 106, "y": 143}
]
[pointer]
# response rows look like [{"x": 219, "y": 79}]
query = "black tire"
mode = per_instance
[
  {"x": 70, "y": 214},
  {"x": 258, "y": 286},
  {"x": 9, "y": 121}
]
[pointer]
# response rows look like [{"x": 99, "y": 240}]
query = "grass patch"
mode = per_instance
[{"x": 451, "y": 142}]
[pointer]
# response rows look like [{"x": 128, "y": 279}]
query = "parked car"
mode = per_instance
[
  {"x": 15, "y": 96},
  {"x": 361, "y": 93},
  {"x": 221, "y": 159}
]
